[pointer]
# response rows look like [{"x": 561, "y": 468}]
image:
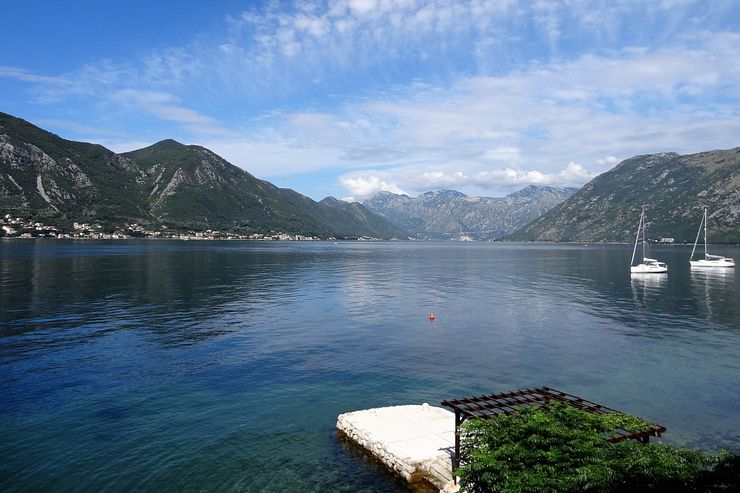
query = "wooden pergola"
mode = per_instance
[{"x": 488, "y": 406}]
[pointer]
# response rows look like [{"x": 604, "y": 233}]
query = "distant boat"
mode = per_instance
[
  {"x": 708, "y": 260},
  {"x": 648, "y": 265}
]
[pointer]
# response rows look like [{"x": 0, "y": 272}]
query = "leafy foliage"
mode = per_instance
[{"x": 562, "y": 449}]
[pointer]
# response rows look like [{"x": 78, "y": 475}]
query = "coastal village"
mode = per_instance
[{"x": 17, "y": 227}]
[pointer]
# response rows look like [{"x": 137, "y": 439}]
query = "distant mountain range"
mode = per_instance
[
  {"x": 674, "y": 190},
  {"x": 187, "y": 187},
  {"x": 167, "y": 184},
  {"x": 448, "y": 214}
]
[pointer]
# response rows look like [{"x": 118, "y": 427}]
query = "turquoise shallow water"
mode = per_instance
[{"x": 223, "y": 365}]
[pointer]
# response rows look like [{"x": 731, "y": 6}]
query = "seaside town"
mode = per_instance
[{"x": 17, "y": 227}]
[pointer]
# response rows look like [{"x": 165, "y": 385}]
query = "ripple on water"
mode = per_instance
[{"x": 172, "y": 365}]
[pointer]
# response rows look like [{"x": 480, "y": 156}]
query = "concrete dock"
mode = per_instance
[{"x": 416, "y": 442}]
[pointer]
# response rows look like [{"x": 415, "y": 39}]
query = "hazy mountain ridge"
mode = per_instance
[
  {"x": 168, "y": 183},
  {"x": 673, "y": 188},
  {"x": 451, "y": 214},
  {"x": 378, "y": 226}
]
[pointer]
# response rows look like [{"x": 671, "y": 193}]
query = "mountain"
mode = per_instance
[
  {"x": 352, "y": 216},
  {"x": 451, "y": 214},
  {"x": 52, "y": 177},
  {"x": 673, "y": 188},
  {"x": 190, "y": 186},
  {"x": 171, "y": 184}
]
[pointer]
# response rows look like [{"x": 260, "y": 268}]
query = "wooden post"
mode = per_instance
[{"x": 456, "y": 459}]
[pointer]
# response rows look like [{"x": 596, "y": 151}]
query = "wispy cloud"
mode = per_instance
[
  {"x": 28, "y": 76},
  {"x": 167, "y": 107},
  {"x": 80, "y": 128},
  {"x": 493, "y": 133}
]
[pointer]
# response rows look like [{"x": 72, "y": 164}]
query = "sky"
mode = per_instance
[{"x": 347, "y": 98}]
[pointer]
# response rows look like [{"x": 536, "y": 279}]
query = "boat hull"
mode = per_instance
[
  {"x": 648, "y": 269},
  {"x": 713, "y": 264}
]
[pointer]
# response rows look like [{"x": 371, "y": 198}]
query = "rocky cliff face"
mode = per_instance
[
  {"x": 451, "y": 214},
  {"x": 674, "y": 190},
  {"x": 168, "y": 183},
  {"x": 190, "y": 185},
  {"x": 43, "y": 174}
]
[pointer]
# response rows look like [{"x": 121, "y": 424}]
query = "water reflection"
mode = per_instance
[
  {"x": 711, "y": 287},
  {"x": 178, "y": 294},
  {"x": 721, "y": 276},
  {"x": 647, "y": 285}
]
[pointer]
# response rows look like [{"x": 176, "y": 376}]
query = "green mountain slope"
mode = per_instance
[
  {"x": 46, "y": 177},
  {"x": 345, "y": 216},
  {"x": 191, "y": 186},
  {"x": 674, "y": 190},
  {"x": 49, "y": 177}
]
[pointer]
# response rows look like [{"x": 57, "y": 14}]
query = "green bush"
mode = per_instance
[{"x": 563, "y": 449}]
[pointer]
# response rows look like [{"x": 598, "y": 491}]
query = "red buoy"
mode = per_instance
[{"x": 431, "y": 316}]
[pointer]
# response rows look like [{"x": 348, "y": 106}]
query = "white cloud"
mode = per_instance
[
  {"x": 79, "y": 128},
  {"x": 607, "y": 161},
  {"x": 165, "y": 106},
  {"x": 573, "y": 174},
  {"x": 362, "y": 7},
  {"x": 504, "y": 153},
  {"x": 136, "y": 96},
  {"x": 28, "y": 76},
  {"x": 492, "y": 133},
  {"x": 265, "y": 156},
  {"x": 364, "y": 184},
  {"x": 48, "y": 88}
]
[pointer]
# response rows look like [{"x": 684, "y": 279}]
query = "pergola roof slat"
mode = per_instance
[{"x": 489, "y": 405}]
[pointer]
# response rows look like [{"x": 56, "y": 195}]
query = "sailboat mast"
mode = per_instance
[
  {"x": 643, "y": 233},
  {"x": 637, "y": 237},
  {"x": 698, "y": 232},
  {"x": 705, "y": 232}
]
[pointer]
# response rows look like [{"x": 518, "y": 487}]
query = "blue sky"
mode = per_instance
[{"x": 350, "y": 97}]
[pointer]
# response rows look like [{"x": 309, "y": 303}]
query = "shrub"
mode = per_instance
[{"x": 563, "y": 449}]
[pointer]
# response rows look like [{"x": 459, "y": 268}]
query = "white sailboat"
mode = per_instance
[
  {"x": 648, "y": 265},
  {"x": 708, "y": 260}
]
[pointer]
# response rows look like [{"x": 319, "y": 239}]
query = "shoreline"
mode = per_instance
[{"x": 344, "y": 240}]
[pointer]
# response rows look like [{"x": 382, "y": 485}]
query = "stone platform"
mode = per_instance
[{"x": 416, "y": 442}]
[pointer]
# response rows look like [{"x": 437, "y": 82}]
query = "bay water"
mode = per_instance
[{"x": 222, "y": 365}]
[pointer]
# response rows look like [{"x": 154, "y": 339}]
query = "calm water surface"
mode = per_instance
[{"x": 223, "y": 365}]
